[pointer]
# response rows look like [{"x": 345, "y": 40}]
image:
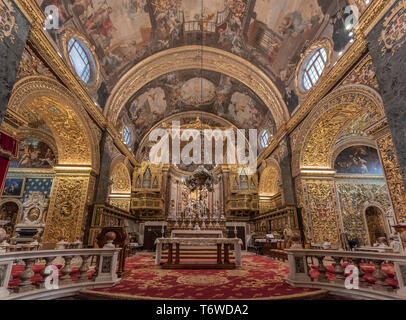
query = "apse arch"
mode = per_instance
[
  {"x": 63, "y": 114},
  {"x": 221, "y": 124},
  {"x": 321, "y": 128},
  {"x": 196, "y": 57}
]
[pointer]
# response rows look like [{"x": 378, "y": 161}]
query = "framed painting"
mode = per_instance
[{"x": 14, "y": 187}]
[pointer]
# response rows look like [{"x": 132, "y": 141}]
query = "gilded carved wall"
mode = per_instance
[
  {"x": 121, "y": 179},
  {"x": 61, "y": 112},
  {"x": 320, "y": 214},
  {"x": 393, "y": 176},
  {"x": 68, "y": 208},
  {"x": 354, "y": 197},
  {"x": 326, "y": 121}
]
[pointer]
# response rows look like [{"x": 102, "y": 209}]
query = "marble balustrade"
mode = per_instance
[
  {"x": 376, "y": 275},
  {"x": 95, "y": 268}
]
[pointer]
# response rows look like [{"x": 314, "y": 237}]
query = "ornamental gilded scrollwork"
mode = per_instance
[
  {"x": 61, "y": 112},
  {"x": 353, "y": 197},
  {"x": 327, "y": 119},
  {"x": 320, "y": 214},
  {"x": 121, "y": 179},
  {"x": 66, "y": 209},
  {"x": 393, "y": 176}
]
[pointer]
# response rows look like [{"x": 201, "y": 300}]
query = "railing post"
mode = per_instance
[
  {"x": 84, "y": 268},
  {"x": 298, "y": 268},
  {"x": 5, "y": 274},
  {"x": 338, "y": 270},
  {"x": 107, "y": 267}
]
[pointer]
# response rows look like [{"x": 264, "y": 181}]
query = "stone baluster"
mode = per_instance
[
  {"x": 309, "y": 267},
  {"x": 322, "y": 269},
  {"x": 66, "y": 271},
  {"x": 84, "y": 268},
  {"x": 96, "y": 269},
  {"x": 43, "y": 273},
  {"x": 26, "y": 276},
  {"x": 338, "y": 270},
  {"x": 380, "y": 276},
  {"x": 361, "y": 273}
]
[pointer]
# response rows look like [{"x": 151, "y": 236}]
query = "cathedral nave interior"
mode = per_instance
[{"x": 211, "y": 149}]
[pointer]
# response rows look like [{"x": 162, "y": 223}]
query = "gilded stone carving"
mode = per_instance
[
  {"x": 70, "y": 134},
  {"x": 67, "y": 208},
  {"x": 354, "y": 197},
  {"x": 121, "y": 203},
  {"x": 31, "y": 65},
  {"x": 121, "y": 179},
  {"x": 364, "y": 73},
  {"x": 327, "y": 119},
  {"x": 62, "y": 114},
  {"x": 323, "y": 135},
  {"x": 320, "y": 215},
  {"x": 393, "y": 176},
  {"x": 269, "y": 182}
]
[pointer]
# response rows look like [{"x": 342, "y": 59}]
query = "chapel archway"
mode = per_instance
[
  {"x": 339, "y": 122},
  {"x": 376, "y": 224},
  {"x": 77, "y": 152}
]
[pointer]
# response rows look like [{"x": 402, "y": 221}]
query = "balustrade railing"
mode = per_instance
[
  {"x": 366, "y": 275},
  {"x": 56, "y": 273}
]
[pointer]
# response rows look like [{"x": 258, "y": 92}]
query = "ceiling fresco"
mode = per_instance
[
  {"x": 269, "y": 33},
  {"x": 198, "y": 91}
]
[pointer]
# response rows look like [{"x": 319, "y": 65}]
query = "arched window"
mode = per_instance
[
  {"x": 313, "y": 68},
  {"x": 81, "y": 59},
  {"x": 264, "y": 139},
  {"x": 127, "y": 135}
]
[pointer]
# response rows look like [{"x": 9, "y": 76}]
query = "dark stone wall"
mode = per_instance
[
  {"x": 390, "y": 65},
  {"x": 11, "y": 49},
  {"x": 103, "y": 180},
  {"x": 286, "y": 173}
]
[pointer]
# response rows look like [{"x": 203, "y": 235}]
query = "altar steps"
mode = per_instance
[{"x": 197, "y": 253}]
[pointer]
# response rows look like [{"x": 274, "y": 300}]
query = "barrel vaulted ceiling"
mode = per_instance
[{"x": 269, "y": 34}]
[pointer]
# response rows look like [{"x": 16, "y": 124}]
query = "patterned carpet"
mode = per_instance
[{"x": 259, "y": 278}]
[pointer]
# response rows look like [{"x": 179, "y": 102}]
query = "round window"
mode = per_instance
[
  {"x": 264, "y": 139},
  {"x": 82, "y": 60},
  {"x": 312, "y": 68},
  {"x": 127, "y": 135}
]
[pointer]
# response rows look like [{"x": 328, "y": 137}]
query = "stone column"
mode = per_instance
[
  {"x": 388, "y": 51},
  {"x": 103, "y": 180},
  {"x": 390, "y": 164},
  {"x": 286, "y": 173},
  {"x": 71, "y": 194}
]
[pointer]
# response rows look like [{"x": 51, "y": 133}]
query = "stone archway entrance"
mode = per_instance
[{"x": 375, "y": 222}]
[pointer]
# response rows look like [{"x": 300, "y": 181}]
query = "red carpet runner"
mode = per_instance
[{"x": 259, "y": 278}]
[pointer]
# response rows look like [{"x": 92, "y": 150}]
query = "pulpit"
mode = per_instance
[{"x": 122, "y": 241}]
